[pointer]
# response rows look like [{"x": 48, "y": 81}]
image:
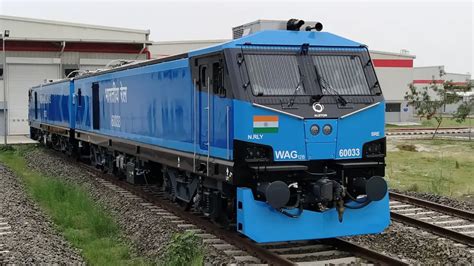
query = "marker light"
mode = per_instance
[
  {"x": 314, "y": 129},
  {"x": 327, "y": 129}
]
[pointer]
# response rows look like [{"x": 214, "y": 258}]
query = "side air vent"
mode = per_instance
[{"x": 237, "y": 32}]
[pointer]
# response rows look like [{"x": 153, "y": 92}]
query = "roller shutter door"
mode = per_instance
[
  {"x": 20, "y": 78},
  {"x": 392, "y": 117},
  {"x": 392, "y": 112}
]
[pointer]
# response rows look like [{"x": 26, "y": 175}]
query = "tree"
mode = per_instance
[
  {"x": 431, "y": 106},
  {"x": 466, "y": 107}
]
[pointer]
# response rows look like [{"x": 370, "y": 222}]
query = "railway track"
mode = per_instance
[
  {"x": 444, "y": 221},
  {"x": 453, "y": 132},
  {"x": 401, "y": 129},
  {"x": 5, "y": 229},
  {"x": 242, "y": 250}
]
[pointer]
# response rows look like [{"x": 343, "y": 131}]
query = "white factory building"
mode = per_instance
[
  {"x": 39, "y": 50},
  {"x": 437, "y": 75},
  {"x": 395, "y": 73},
  {"x": 424, "y": 76}
]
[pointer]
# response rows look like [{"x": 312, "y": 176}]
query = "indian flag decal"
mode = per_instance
[{"x": 265, "y": 124}]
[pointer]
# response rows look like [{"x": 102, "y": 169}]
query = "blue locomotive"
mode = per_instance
[{"x": 279, "y": 134}]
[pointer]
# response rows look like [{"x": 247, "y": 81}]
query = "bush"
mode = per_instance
[
  {"x": 184, "y": 249},
  {"x": 407, "y": 147}
]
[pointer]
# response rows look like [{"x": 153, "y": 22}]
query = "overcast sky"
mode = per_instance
[{"x": 438, "y": 33}]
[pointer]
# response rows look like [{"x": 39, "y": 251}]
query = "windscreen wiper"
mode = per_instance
[
  {"x": 297, "y": 88},
  {"x": 376, "y": 86},
  {"x": 328, "y": 88}
]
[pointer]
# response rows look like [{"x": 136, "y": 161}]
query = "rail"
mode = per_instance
[{"x": 409, "y": 212}]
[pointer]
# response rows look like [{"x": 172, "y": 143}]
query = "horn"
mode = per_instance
[
  {"x": 318, "y": 26},
  {"x": 294, "y": 24}
]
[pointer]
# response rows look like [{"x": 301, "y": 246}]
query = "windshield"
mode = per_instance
[
  {"x": 282, "y": 74},
  {"x": 341, "y": 75},
  {"x": 274, "y": 74}
]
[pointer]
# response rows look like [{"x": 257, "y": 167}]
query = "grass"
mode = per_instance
[
  {"x": 82, "y": 221},
  {"x": 447, "y": 122},
  {"x": 444, "y": 167}
]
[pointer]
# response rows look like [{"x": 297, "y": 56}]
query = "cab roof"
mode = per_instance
[{"x": 283, "y": 38}]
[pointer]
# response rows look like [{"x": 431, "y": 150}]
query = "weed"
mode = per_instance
[
  {"x": 23, "y": 149},
  {"x": 184, "y": 249},
  {"x": 6, "y": 148},
  {"x": 439, "y": 185},
  {"x": 413, "y": 187}
]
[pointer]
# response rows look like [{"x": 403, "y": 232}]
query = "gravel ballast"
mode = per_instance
[
  {"x": 415, "y": 246},
  {"x": 33, "y": 238},
  {"x": 463, "y": 205},
  {"x": 146, "y": 232}
]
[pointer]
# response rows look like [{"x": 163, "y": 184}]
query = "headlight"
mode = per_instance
[
  {"x": 257, "y": 154},
  {"x": 374, "y": 149},
  {"x": 327, "y": 129},
  {"x": 314, "y": 129}
]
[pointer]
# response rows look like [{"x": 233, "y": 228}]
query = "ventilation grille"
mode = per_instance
[{"x": 237, "y": 32}]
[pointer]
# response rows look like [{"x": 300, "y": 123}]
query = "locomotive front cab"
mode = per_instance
[{"x": 310, "y": 141}]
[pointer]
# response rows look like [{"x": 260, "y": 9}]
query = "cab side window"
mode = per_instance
[
  {"x": 210, "y": 75},
  {"x": 218, "y": 79},
  {"x": 36, "y": 105},
  {"x": 79, "y": 97},
  {"x": 203, "y": 77}
]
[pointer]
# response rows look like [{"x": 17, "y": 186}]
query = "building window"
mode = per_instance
[
  {"x": 392, "y": 107},
  {"x": 1, "y": 73}
]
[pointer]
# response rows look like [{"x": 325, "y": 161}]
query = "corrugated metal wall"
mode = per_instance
[{"x": 30, "y": 68}]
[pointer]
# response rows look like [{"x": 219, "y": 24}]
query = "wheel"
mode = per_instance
[
  {"x": 93, "y": 156},
  {"x": 168, "y": 187}
]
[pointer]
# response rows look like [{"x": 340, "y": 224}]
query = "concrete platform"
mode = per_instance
[
  {"x": 401, "y": 124},
  {"x": 17, "y": 139}
]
